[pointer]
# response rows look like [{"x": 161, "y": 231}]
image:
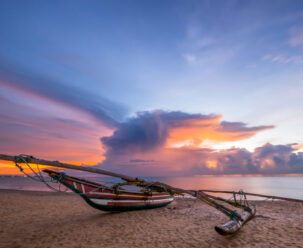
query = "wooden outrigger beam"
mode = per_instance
[
  {"x": 231, "y": 227},
  {"x": 33, "y": 160},
  {"x": 254, "y": 194}
]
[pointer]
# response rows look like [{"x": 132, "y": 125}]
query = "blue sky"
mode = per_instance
[{"x": 107, "y": 60}]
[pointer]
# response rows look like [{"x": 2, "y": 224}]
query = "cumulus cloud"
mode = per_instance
[
  {"x": 146, "y": 131},
  {"x": 146, "y": 145},
  {"x": 267, "y": 159},
  {"x": 150, "y": 130}
]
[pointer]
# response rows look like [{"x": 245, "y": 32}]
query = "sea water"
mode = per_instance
[{"x": 286, "y": 186}]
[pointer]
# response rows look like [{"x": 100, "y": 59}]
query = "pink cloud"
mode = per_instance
[{"x": 267, "y": 159}]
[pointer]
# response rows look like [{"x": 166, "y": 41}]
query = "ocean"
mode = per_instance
[{"x": 286, "y": 186}]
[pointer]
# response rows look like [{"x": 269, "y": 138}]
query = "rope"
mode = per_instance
[
  {"x": 233, "y": 215},
  {"x": 62, "y": 176},
  {"x": 37, "y": 175},
  {"x": 225, "y": 210},
  {"x": 243, "y": 199}
]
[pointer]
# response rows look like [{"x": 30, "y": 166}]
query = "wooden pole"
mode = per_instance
[
  {"x": 32, "y": 160},
  {"x": 254, "y": 194},
  {"x": 233, "y": 203}
]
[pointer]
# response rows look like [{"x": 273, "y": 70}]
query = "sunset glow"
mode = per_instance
[
  {"x": 177, "y": 93},
  {"x": 194, "y": 133},
  {"x": 212, "y": 164}
]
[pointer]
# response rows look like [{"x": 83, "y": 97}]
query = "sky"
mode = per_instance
[{"x": 154, "y": 88}]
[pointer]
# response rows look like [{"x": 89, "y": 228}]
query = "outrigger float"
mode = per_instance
[{"x": 152, "y": 195}]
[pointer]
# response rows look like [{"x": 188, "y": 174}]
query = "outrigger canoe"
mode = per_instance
[
  {"x": 111, "y": 199},
  {"x": 154, "y": 194}
]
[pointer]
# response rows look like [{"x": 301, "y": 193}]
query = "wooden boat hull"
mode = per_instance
[
  {"x": 106, "y": 199},
  {"x": 125, "y": 205}
]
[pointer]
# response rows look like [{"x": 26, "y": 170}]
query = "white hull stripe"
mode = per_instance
[
  {"x": 83, "y": 188},
  {"x": 130, "y": 202},
  {"x": 125, "y": 195}
]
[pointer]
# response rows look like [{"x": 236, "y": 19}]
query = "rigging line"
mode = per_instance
[
  {"x": 38, "y": 176},
  {"x": 47, "y": 182}
]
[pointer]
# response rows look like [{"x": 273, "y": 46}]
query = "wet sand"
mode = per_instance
[{"x": 44, "y": 219}]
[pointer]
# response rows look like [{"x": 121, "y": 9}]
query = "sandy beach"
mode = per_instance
[{"x": 44, "y": 219}]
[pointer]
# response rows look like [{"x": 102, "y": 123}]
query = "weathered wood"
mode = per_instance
[
  {"x": 232, "y": 226},
  {"x": 254, "y": 194}
]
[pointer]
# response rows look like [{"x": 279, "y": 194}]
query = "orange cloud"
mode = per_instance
[
  {"x": 194, "y": 132},
  {"x": 212, "y": 164},
  {"x": 89, "y": 153},
  {"x": 9, "y": 168}
]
